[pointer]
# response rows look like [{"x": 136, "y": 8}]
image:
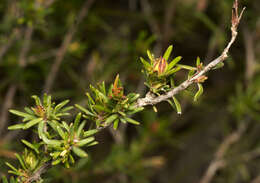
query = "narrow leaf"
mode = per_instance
[
  {"x": 18, "y": 113},
  {"x": 111, "y": 118},
  {"x": 167, "y": 53},
  {"x": 20, "y": 161},
  {"x": 16, "y": 127},
  {"x": 30, "y": 145},
  {"x": 80, "y": 129},
  {"x": 177, "y": 105},
  {"x": 32, "y": 123},
  {"x": 115, "y": 125},
  {"x": 174, "y": 62},
  {"x": 130, "y": 120},
  {"x": 84, "y": 110},
  {"x": 199, "y": 92},
  {"x": 85, "y": 141},
  {"x": 145, "y": 63},
  {"x": 79, "y": 152},
  {"x": 90, "y": 132},
  {"x": 198, "y": 61},
  {"x": 150, "y": 55}
]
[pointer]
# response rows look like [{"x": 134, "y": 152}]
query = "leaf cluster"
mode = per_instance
[{"x": 106, "y": 107}]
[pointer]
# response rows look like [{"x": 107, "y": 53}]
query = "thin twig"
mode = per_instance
[
  {"x": 37, "y": 175},
  {"x": 250, "y": 54},
  {"x": 6, "y": 105},
  {"x": 64, "y": 46},
  {"x": 256, "y": 180},
  {"x": 151, "y": 99},
  {"x": 16, "y": 33},
  {"x": 26, "y": 46},
  {"x": 219, "y": 162}
]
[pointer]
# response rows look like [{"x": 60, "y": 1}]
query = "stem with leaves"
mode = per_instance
[{"x": 59, "y": 141}]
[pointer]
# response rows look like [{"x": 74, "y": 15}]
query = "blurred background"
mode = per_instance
[{"x": 62, "y": 46}]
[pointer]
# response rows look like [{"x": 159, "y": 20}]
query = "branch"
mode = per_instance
[
  {"x": 219, "y": 162},
  {"x": 151, "y": 99},
  {"x": 64, "y": 46},
  {"x": 37, "y": 175}
]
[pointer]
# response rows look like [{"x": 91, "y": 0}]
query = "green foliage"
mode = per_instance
[
  {"x": 159, "y": 74},
  {"x": 109, "y": 107}
]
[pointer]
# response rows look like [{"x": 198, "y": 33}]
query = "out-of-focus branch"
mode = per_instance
[
  {"x": 37, "y": 175},
  {"x": 64, "y": 46},
  {"x": 219, "y": 162},
  {"x": 150, "y": 99},
  {"x": 6, "y": 105},
  {"x": 26, "y": 46},
  {"x": 250, "y": 55},
  {"x": 256, "y": 180},
  {"x": 16, "y": 33}
]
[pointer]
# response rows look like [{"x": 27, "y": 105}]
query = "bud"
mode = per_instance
[
  {"x": 201, "y": 79},
  {"x": 30, "y": 160},
  {"x": 160, "y": 65}
]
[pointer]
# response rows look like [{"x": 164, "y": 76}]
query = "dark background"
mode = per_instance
[{"x": 62, "y": 46}]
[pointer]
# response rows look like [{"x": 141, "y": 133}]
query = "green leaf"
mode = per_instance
[
  {"x": 16, "y": 127},
  {"x": 145, "y": 63},
  {"x": 115, "y": 125},
  {"x": 32, "y": 123},
  {"x": 20, "y": 161},
  {"x": 12, "y": 180},
  {"x": 29, "y": 111},
  {"x": 191, "y": 73},
  {"x": 44, "y": 138},
  {"x": 11, "y": 166},
  {"x": 92, "y": 143},
  {"x": 103, "y": 88},
  {"x": 37, "y": 100},
  {"x": 172, "y": 71},
  {"x": 84, "y": 110},
  {"x": 154, "y": 108},
  {"x": 90, "y": 98},
  {"x": 167, "y": 53},
  {"x": 99, "y": 94},
  {"x": 132, "y": 97},
  {"x": 56, "y": 162},
  {"x": 90, "y": 132},
  {"x": 174, "y": 62},
  {"x": 71, "y": 159},
  {"x": 77, "y": 120},
  {"x": 130, "y": 120},
  {"x": 111, "y": 118},
  {"x": 22, "y": 114},
  {"x": 177, "y": 104},
  {"x": 136, "y": 110},
  {"x": 4, "y": 179},
  {"x": 30, "y": 146},
  {"x": 66, "y": 126},
  {"x": 66, "y": 109},
  {"x": 80, "y": 129},
  {"x": 199, "y": 92},
  {"x": 60, "y": 105},
  {"x": 61, "y": 132},
  {"x": 79, "y": 152},
  {"x": 198, "y": 61},
  {"x": 150, "y": 55},
  {"x": 85, "y": 141},
  {"x": 101, "y": 108},
  {"x": 187, "y": 67}
]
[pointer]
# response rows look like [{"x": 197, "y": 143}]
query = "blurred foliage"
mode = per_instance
[{"x": 110, "y": 39}]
